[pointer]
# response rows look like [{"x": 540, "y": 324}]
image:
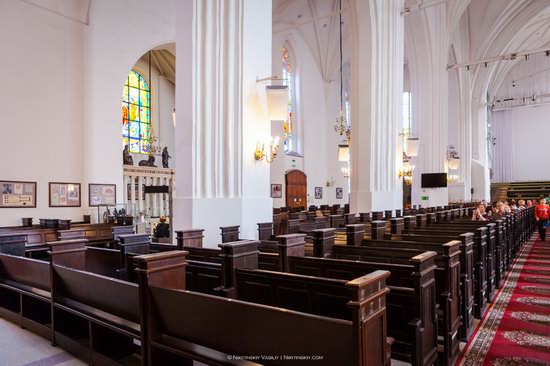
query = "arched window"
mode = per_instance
[
  {"x": 136, "y": 113},
  {"x": 289, "y": 79}
]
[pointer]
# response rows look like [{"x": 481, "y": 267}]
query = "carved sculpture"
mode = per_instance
[
  {"x": 165, "y": 157},
  {"x": 126, "y": 157},
  {"x": 148, "y": 162}
]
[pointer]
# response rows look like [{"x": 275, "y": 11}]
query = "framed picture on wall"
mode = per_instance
[
  {"x": 276, "y": 191},
  {"x": 17, "y": 194},
  {"x": 64, "y": 194},
  {"x": 101, "y": 194},
  {"x": 339, "y": 193},
  {"x": 318, "y": 193}
]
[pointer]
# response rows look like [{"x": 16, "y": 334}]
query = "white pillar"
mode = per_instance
[
  {"x": 154, "y": 198},
  {"x": 219, "y": 183},
  {"x": 141, "y": 202},
  {"x": 428, "y": 59},
  {"x": 133, "y": 194},
  {"x": 377, "y": 102},
  {"x": 161, "y": 182}
]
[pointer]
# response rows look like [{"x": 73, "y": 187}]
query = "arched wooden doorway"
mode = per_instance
[{"x": 296, "y": 188}]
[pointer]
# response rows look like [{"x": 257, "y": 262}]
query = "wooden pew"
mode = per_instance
[
  {"x": 447, "y": 277},
  {"x": 38, "y": 237},
  {"x": 411, "y": 300},
  {"x": 481, "y": 236},
  {"x": 291, "y": 249},
  {"x": 132, "y": 245},
  {"x": 237, "y": 331},
  {"x": 472, "y": 256},
  {"x": 13, "y": 244},
  {"x": 102, "y": 321},
  {"x": 121, "y": 230},
  {"x": 230, "y": 233},
  {"x": 25, "y": 289},
  {"x": 497, "y": 245}
]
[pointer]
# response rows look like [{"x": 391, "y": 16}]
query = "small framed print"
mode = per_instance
[
  {"x": 101, "y": 194},
  {"x": 17, "y": 194},
  {"x": 318, "y": 193},
  {"x": 64, "y": 194},
  {"x": 276, "y": 191},
  {"x": 339, "y": 193}
]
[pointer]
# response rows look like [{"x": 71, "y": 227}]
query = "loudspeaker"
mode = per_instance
[{"x": 472, "y": 191}]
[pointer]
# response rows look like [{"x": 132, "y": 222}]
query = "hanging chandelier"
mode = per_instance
[{"x": 342, "y": 126}]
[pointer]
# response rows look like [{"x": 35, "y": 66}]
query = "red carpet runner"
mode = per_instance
[{"x": 516, "y": 328}]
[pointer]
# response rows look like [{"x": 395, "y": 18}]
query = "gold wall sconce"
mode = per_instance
[{"x": 260, "y": 153}]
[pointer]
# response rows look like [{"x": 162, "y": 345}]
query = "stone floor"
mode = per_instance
[{"x": 19, "y": 347}]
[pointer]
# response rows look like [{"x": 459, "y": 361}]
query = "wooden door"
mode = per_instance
[{"x": 296, "y": 188}]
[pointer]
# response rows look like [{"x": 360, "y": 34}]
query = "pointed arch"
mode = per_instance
[{"x": 290, "y": 67}]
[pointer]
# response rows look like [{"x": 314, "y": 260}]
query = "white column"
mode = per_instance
[
  {"x": 161, "y": 197},
  {"x": 428, "y": 59},
  {"x": 377, "y": 102},
  {"x": 125, "y": 181},
  {"x": 140, "y": 200},
  {"x": 133, "y": 194},
  {"x": 219, "y": 183},
  {"x": 155, "y": 182}
]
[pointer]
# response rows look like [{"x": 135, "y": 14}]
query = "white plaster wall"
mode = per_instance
[
  {"x": 41, "y": 105},
  {"x": 530, "y": 129},
  {"x": 63, "y": 84},
  {"x": 120, "y": 32},
  {"x": 319, "y": 105}
]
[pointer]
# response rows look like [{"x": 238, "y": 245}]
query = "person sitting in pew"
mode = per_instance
[
  {"x": 499, "y": 211},
  {"x": 479, "y": 213},
  {"x": 162, "y": 230}
]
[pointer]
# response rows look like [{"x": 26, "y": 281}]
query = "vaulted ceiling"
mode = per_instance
[
  {"x": 494, "y": 27},
  {"x": 317, "y": 22}
]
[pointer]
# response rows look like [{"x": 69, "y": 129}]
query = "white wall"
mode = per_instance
[
  {"x": 120, "y": 32},
  {"x": 318, "y": 107},
  {"x": 529, "y": 132},
  {"x": 62, "y": 89},
  {"x": 41, "y": 125}
]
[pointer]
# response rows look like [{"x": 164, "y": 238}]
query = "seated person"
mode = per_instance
[
  {"x": 479, "y": 213},
  {"x": 499, "y": 211},
  {"x": 162, "y": 230}
]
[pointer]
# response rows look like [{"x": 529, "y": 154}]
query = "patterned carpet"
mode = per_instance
[{"x": 516, "y": 328}]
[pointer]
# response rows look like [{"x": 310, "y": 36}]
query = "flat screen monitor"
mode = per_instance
[{"x": 434, "y": 180}]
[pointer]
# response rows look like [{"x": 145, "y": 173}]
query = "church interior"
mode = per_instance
[{"x": 275, "y": 182}]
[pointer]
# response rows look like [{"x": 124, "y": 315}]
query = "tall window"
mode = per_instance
[
  {"x": 288, "y": 79},
  {"x": 136, "y": 113},
  {"x": 407, "y": 111}
]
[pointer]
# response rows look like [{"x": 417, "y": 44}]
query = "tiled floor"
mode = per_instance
[{"x": 19, "y": 347}]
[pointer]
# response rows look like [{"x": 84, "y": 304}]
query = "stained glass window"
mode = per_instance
[
  {"x": 288, "y": 80},
  {"x": 136, "y": 113}
]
